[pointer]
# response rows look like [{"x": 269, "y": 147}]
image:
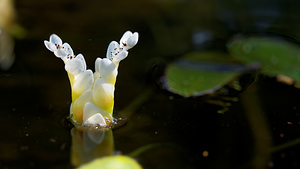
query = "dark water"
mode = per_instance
[{"x": 189, "y": 133}]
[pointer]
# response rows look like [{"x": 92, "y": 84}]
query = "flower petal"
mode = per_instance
[
  {"x": 50, "y": 46},
  {"x": 103, "y": 94},
  {"x": 95, "y": 119},
  {"x": 91, "y": 109},
  {"x": 113, "y": 49},
  {"x": 108, "y": 71},
  {"x": 60, "y": 53},
  {"x": 81, "y": 58},
  {"x": 54, "y": 39},
  {"x": 97, "y": 70},
  {"x": 97, "y": 64},
  {"x": 78, "y": 105},
  {"x": 129, "y": 40},
  {"x": 124, "y": 38},
  {"x": 76, "y": 65},
  {"x": 120, "y": 56},
  {"x": 83, "y": 82},
  {"x": 132, "y": 40},
  {"x": 68, "y": 49}
]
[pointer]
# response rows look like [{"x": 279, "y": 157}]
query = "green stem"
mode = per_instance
[
  {"x": 259, "y": 126},
  {"x": 131, "y": 108},
  {"x": 148, "y": 147},
  {"x": 285, "y": 145}
]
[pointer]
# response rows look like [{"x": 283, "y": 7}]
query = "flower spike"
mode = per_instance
[{"x": 92, "y": 93}]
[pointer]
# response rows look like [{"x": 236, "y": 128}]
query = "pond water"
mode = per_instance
[{"x": 175, "y": 132}]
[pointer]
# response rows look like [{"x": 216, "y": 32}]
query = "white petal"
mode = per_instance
[
  {"x": 60, "y": 53},
  {"x": 54, "y": 39},
  {"x": 108, "y": 70},
  {"x": 112, "y": 49},
  {"x": 91, "y": 109},
  {"x": 129, "y": 40},
  {"x": 103, "y": 94},
  {"x": 103, "y": 88},
  {"x": 68, "y": 49},
  {"x": 125, "y": 37},
  {"x": 97, "y": 64},
  {"x": 96, "y": 119},
  {"x": 50, "y": 46},
  {"x": 132, "y": 41},
  {"x": 81, "y": 58},
  {"x": 83, "y": 82},
  {"x": 76, "y": 65},
  {"x": 120, "y": 56},
  {"x": 79, "y": 103}
]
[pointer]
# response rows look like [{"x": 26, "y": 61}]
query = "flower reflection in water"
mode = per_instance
[
  {"x": 94, "y": 148},
  {"x": 88, "y": 145}
]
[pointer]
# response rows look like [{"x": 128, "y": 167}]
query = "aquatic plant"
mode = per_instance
[{"x": 92, "y": 93}]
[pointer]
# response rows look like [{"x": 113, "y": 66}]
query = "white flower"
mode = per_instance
[
  {"x": 76, "y": 65},
  {"x": 107, "y": 68},
  {"x": 63, "y": 51},
  {"x": 92, "y": 93},
  {"x": 117, "y": 52},
  {"x": 129, "y": 40}
]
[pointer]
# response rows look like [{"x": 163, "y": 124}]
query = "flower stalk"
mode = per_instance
[{"x": 92, "y": 92}]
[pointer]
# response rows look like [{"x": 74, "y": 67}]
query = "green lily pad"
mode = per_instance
[
  {"x": 112, "y": 162},
  {"x": 201, "y": 73},
  {"x": 275, "y": 57}
]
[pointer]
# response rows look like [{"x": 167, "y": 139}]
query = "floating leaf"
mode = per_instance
[
  {"x": 201, "y": 73},
  {"x": 275, "y": 57},
  {"x": 112, "y": 162}
]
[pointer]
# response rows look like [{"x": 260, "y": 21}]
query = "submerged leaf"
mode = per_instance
[
  {"x": 201, "y": 73},
  {"x": 275, "y": 57}
]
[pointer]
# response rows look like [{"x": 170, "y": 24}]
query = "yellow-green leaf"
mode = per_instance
[{"x": 112, "y": 162}]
